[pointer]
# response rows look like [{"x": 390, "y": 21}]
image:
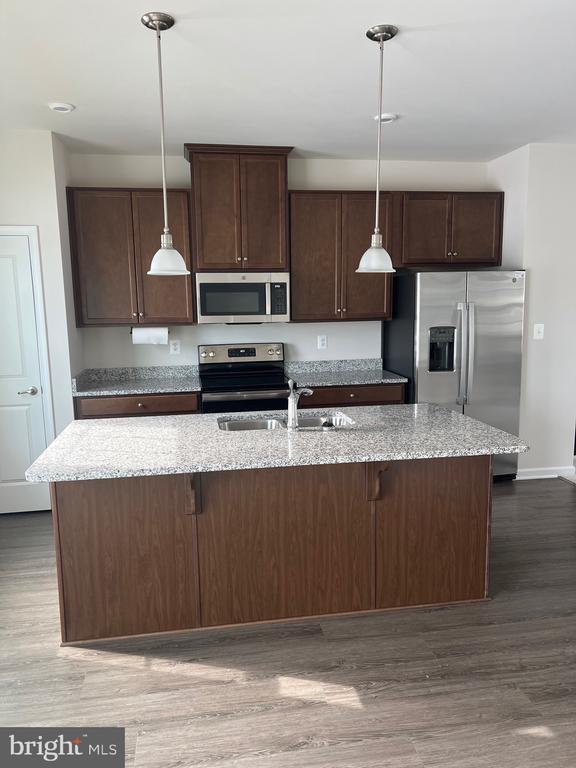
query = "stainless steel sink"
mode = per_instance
[
  {"x": 325, "y": 422},
  {"x": 240, "y": 425}
]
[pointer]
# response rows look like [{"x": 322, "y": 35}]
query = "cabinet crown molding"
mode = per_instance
[{"x": 234, "y": 149}]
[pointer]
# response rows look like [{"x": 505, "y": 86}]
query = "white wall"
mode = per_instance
[
  {"x": 28, "y": 197},
  {"x": 548, "y": 411},
  {"x": 509, "y": 173}
]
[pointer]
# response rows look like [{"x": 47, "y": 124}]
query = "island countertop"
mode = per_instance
[{"x": 165, "y": 445}]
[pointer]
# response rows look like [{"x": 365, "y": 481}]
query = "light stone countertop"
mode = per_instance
[
  {"x": 149, "y": 386},
  {"x": 95, "y": 449},
  {"x": 347, "y": 378}
]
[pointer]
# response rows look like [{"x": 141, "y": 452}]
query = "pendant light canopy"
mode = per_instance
[
  {"x": 167, "y": 260},
  {"x": 377, "y": 258}
]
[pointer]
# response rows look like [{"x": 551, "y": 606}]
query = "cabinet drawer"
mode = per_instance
[
  {"x": 135, "y": 405},
  {"x": 366, "y": 394}
]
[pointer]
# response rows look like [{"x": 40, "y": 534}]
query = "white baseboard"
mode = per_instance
[{"x": 539, "y": 473}]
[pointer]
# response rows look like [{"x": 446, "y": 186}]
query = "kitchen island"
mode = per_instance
[{"x": 170, "y": 523}]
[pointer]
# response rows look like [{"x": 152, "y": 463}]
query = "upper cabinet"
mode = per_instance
[
  {"x": 239, "y": 207},
  {"x": 329, "y": 232},
  {"x": 451, "y": 228},
  {"x": 114, "y": 234}
]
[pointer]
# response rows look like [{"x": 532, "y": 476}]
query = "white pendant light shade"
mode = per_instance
[
  {"x": 376, "y": 258},
  {"x": 167, "y": 260}
]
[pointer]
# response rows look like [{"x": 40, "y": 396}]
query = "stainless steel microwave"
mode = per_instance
[{"x": 243, "y": 297}]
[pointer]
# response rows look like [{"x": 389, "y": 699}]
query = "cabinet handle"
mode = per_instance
[
  {"x": 344, "y": 310},
  {"x": 455, "y": 253},
  {"x": 140, "y": 405},
  {"x": 194, "y": 505},
  {"x": 374, "y": 481},
  {"x": 352, "y": 394},
  {"x": 134, "y": 314},
  {"x": 238, "y": 258},
  {"x": 140, "y": 314},
  {"x": 449, "y": 253},
  {"x": 244, "y": 258}
]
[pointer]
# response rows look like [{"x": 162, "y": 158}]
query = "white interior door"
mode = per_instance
[{"x": 22, "y": 418}]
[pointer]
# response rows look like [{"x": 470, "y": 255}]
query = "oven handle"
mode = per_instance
[{"x": 268, "y": 394}]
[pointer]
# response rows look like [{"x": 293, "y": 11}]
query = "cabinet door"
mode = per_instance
[
  {"x": 431, "y": 530},
  {"x": 365, "y": 394},
  {"x": 278, "y": 543},
  {"x": 364, "y": 297},
  {"x": 216, "y": 211},
  {"x": 477, "y": 227},
  {"x": 263, "y": 203},
  {"x": 103, "y": 256},
  {"x": 426, "y": 232},
  {"x": 127, "y": 561},
  {"x": 161, "y": 299},
  {"x": 315, "y": 255}
]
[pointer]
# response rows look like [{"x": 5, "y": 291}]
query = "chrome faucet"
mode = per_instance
[{"x": 293, "y": 399}]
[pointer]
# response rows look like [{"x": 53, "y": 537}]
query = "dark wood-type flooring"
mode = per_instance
[{"x": 490, "y": 685}]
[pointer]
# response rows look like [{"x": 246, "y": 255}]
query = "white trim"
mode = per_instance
[
  {"x": 31, "y": 232},
  {"x": 538, "y": 473}
]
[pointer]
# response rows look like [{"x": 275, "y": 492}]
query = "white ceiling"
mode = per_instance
[{"x": 472, "y": 79}]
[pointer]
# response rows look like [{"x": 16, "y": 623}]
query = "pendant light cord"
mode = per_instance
[
  {"x": 379, "y": 123},
  {"x": 162, "y": 145}
]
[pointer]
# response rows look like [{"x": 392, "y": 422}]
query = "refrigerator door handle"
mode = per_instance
[
  {"x": 471, "y": 347},
  {"x": 462, "y": 351}
]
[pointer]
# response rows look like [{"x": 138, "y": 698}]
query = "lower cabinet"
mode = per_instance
[
  {"x": 364, "y": 394},
  {"x": 126, "y": 554},
  {"x": 156, "y": 554},
  {"x": 135, "y": 405},
  {"x": 431, "y": 530},
  {"x": 280, "y": 543}
]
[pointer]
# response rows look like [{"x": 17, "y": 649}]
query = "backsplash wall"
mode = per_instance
[{"x": 112, "y": 347}]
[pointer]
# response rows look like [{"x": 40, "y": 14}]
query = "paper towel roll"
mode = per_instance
[{"x": 149, "y": 335}]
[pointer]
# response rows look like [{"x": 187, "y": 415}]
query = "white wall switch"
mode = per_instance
[
  {"x": 174, "y": 347},
  {"x": 322, "y": 342},
  {"x": 538, "y": 331}
]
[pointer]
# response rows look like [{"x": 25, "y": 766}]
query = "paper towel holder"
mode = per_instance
[{"x": 138, "y": 326}]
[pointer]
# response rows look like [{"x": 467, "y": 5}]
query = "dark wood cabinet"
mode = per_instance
[
  {"x": 161, "y": 299},
  {"x": 329, "y": 232},
  {"x": 135, "y": 405},
  {"x": 362, "y": 394},
  {"x": 304, "y": 548},
  {"x": 113, "y": 235},
  {"x": 102, "y": 245},
  {"x": 452, "y": 228},
  {"x": 315, "y": 255},
  {"x": 239, "y": 207},
  {"x": 126, "y": 556},
  {"x": 369, "y": 296},
  {"x": 431, "y": 530}
]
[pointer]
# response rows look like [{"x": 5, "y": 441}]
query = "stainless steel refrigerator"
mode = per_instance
[{"x": 457, "y": 336}]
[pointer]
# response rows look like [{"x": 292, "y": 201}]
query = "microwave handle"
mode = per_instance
[{"x": 268, "y": 298}]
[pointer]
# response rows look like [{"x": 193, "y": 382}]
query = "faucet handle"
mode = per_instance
[
  {"x": 291, "y": 385},
  {"x": 306, "y": 391}
]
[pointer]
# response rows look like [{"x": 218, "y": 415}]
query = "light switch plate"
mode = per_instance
[
  {"x": 538, "y": 331},
  {"x": 322, "y": 342},
  {"x": 174, "y": 347}
]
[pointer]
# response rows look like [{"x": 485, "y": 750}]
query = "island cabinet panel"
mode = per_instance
[
  {"x": 126, "y": 556},
  {"x": 431, "y": 530},
  {"x": 283, "y": 543}
]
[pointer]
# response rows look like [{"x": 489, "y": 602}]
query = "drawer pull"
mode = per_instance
[
  {"x": 140, "y": 405},
  {"x": 352, "y": 394}
]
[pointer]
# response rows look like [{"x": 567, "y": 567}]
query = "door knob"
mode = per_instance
[{"x": 29, "y": 391}]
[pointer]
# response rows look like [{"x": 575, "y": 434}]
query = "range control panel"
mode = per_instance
[{"x": 240, "y": 353}]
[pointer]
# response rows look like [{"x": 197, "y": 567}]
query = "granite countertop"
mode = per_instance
[
  {"x": 347, "y": 377},
  {"x": 166, "y": 445},
  {"x": 151, "y": 380}
]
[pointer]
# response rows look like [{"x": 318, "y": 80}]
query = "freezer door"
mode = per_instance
[
  {"x": 495, "y": 318},
  {"x": 440, "y": 338}
]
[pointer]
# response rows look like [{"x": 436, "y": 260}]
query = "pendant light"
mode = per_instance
[
  {"x": 377, "y": 258},
  {"x": 167, "y": 260}
]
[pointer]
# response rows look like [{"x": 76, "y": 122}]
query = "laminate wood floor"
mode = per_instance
[{"x": 489, "y": 685}]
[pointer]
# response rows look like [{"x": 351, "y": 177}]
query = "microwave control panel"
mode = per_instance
[{"x": 279, "y": 298}]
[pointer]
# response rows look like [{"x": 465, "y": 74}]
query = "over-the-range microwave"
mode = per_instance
[{"x": 243, "y": 297}]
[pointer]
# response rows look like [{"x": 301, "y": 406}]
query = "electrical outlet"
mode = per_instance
[
  {"x": 174, "y": 347},
  {"x": 538, "y": 331},
  {"x": 322, "y": 342}
]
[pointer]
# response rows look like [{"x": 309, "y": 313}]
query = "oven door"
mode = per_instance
[{"x": 223, "y": 297}]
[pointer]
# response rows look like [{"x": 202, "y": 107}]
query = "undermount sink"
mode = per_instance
[
  {"x": 324, "y": 422},
  {"x": 239, "y": 425}
]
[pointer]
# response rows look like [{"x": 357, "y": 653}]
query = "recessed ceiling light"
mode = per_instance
[
  {"x": 61, "y": 106},
  {"x": 387, "y": 117}
]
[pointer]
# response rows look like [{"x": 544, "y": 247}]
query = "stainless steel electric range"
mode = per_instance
[{"x": 242, "y": 377}]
